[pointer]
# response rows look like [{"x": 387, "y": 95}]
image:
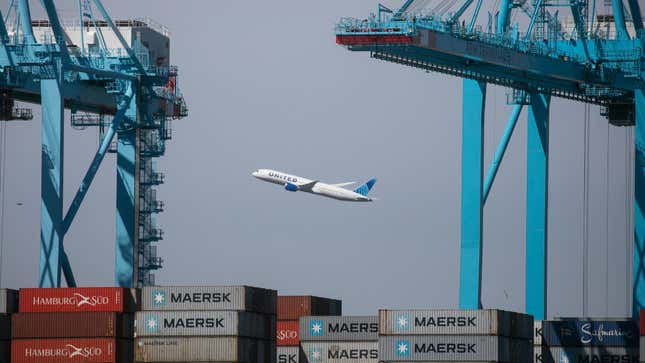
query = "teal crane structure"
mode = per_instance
[
  {"x": 127, "y": 91},
  {"x": 538, "y": 58}
]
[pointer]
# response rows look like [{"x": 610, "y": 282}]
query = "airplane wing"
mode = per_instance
[
  {"x": 343, "y": 184},
  {"x": 307, "y": 187}
]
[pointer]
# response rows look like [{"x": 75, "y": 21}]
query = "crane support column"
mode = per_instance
[
  {"x": 51, "y": 206},
  {"x": 537, "y": 191},
  {"x": 639, "y": 205},
  {"x": 127, "y": 198},
  {"x": 472, "y": 170}
]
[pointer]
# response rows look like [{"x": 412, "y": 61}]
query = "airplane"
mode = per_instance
[{"x": 295, "y": 183}]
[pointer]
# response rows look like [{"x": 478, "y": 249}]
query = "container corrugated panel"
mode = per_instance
[
  {"x": 205, "y": 323},
  {"x": 287, "y": 333},
  {"x": 72, "y": 325},
  {"x": 455, "y": 322},
  {"x": 5, "y": 326},
  {"x": 642, "y": 348},
  {"x": 576, "y": 333},
  {"x": 288, "y": 355},
  {"x": 442, "y": 348},
  {"x": 585, "y": 355},
  {"x": 5, "y": 351},
  {"x": 81, "y": 299},
  {"x": 537, "y": 332},
  {"x": 203, "y": 349},
  {"x": 242, "y": 298},
  {"x": 8, "y": 301},
  {"x": 293, "y": 307},
  {"x": 72, "y": 350},
  {"x": 354, "y": 352},
  {"x": 338, "y": 328}
]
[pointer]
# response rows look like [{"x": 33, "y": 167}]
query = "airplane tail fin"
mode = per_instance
[{"x": 365, "y": 188}]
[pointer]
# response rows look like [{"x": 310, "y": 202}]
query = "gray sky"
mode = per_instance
[{"x": 268, "y": 87}]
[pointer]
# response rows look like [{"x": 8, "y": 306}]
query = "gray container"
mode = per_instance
[
  {"x": 354, "y": 352},
  {"x": 204, "y": 349},
  {"x": 338, "y": 328},
  {"x": 449, "y": 348},
  {"x": 642, "y": 348},
  {"x": 288, "y": 355},
  {"x": 537, "y": 332},
  {"x": 205, "y": 323},
  {"x": 242, "y": 298},
  {"x": 8, "y": 301},
  {"x": 585, "y": 355},
  {"x": 455, "y": 322}
]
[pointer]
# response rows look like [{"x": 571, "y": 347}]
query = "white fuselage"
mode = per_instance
[{"x": 310, "y": 186}]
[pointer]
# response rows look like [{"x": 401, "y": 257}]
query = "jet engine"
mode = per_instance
[{"x": 291, "y": 187}]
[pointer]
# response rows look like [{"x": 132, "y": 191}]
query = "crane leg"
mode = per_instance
[
  {"x": 51, "y": 206},
  {"x": 472, "y": 170},
  {"x": 537, "y": 205},
  {"x": 127, "y": 198},
  {"x": 638, "y": 281}
]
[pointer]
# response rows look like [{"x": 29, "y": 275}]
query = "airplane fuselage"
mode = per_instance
[{"x": 296, "y": 183}]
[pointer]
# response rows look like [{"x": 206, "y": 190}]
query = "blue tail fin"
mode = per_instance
[{"x": 365, "y": 188}]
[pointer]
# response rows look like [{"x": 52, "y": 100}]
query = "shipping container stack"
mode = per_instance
[
  {"x": 73, "y": 325},
  {"x": 454, "y": 336},
  {"x": 290, "y": 309},
  {"x": 347, "y": 339},
  {"x": 641, "y": 346},
  {"x": 584, "y": 340},
  {"x": 8, "y": 306},
  {"x": 206, "y": 324}
]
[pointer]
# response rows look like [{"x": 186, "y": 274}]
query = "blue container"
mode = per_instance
[{"x": 581, "y": 333}]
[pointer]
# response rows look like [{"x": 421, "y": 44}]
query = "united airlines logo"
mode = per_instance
[
  {"x": 159, "y": 298},
  {"x": 316, "y": 354},
  {"x": 402, "y": 322},
  {"x": 402, "y": 348},
  {"x": 564, "y": 358},
  {"x": 152, "y": 324},
  {"x": 316, "y": 328}
]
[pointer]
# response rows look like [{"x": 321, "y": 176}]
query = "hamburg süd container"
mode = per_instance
[
  {"x": 338, "y": 328},
  {"x": 356, "y": 352},
  {"x": 577, "y": 333},
  {"x": 242, "y": 298},
  {"x": 77, "y": 299},
  {"x": 293, "y": 307},
  {"x": 288, "y": 354},
  {"x": 586, "y": 354},
  {"x": 204, "y": 349},
  {"x": 455, "y": 322},
  {"x": 71, "y": 350},
  {"x": 72, "y": 325},
  {"x": 441, "y": 348},
  {"x": 8, "y": 301},
  {"x": 287, "y": 333},
  {"x": 205, "y": 323}
]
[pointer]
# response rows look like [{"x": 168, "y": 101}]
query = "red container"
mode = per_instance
[
  {"x": 287, "y": 334},
  {"x": 71, "y": 351},
  {"x": 293, "y": 307},
  {"x": 88, "y": 299},
  {"x": 642, "y": 323},
  {"x": 72, "y": 325}
]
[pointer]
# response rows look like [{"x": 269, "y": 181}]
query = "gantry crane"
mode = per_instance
[
  {"x": 587, "y": 62},
  {"x": 126, "y": 87}
]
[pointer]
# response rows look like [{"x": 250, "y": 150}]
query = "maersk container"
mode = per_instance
[
  {"x": 204, "y": 349},
  {"x": 354, "y": 352},
  {"x": 577, "y": 333},
  {"x": 242, "y": 298},
  {"x": 72, "y": 325},
  {"x": 585, "y": 355},
  {"x": 287, "y": 333},
  {"x": 288, "y": 355},
  {"x": 450, "y": 348},
  {"x": 338, "y": 328},
  {"x": 293, "y": 307},
  {"x": 205, "y": 323},
  {"x": 71, "y": 350},
  {"x": 455, "y": 322},
  {"x": 76, "y": 299},
  {"x": 8, "y": 301}
]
